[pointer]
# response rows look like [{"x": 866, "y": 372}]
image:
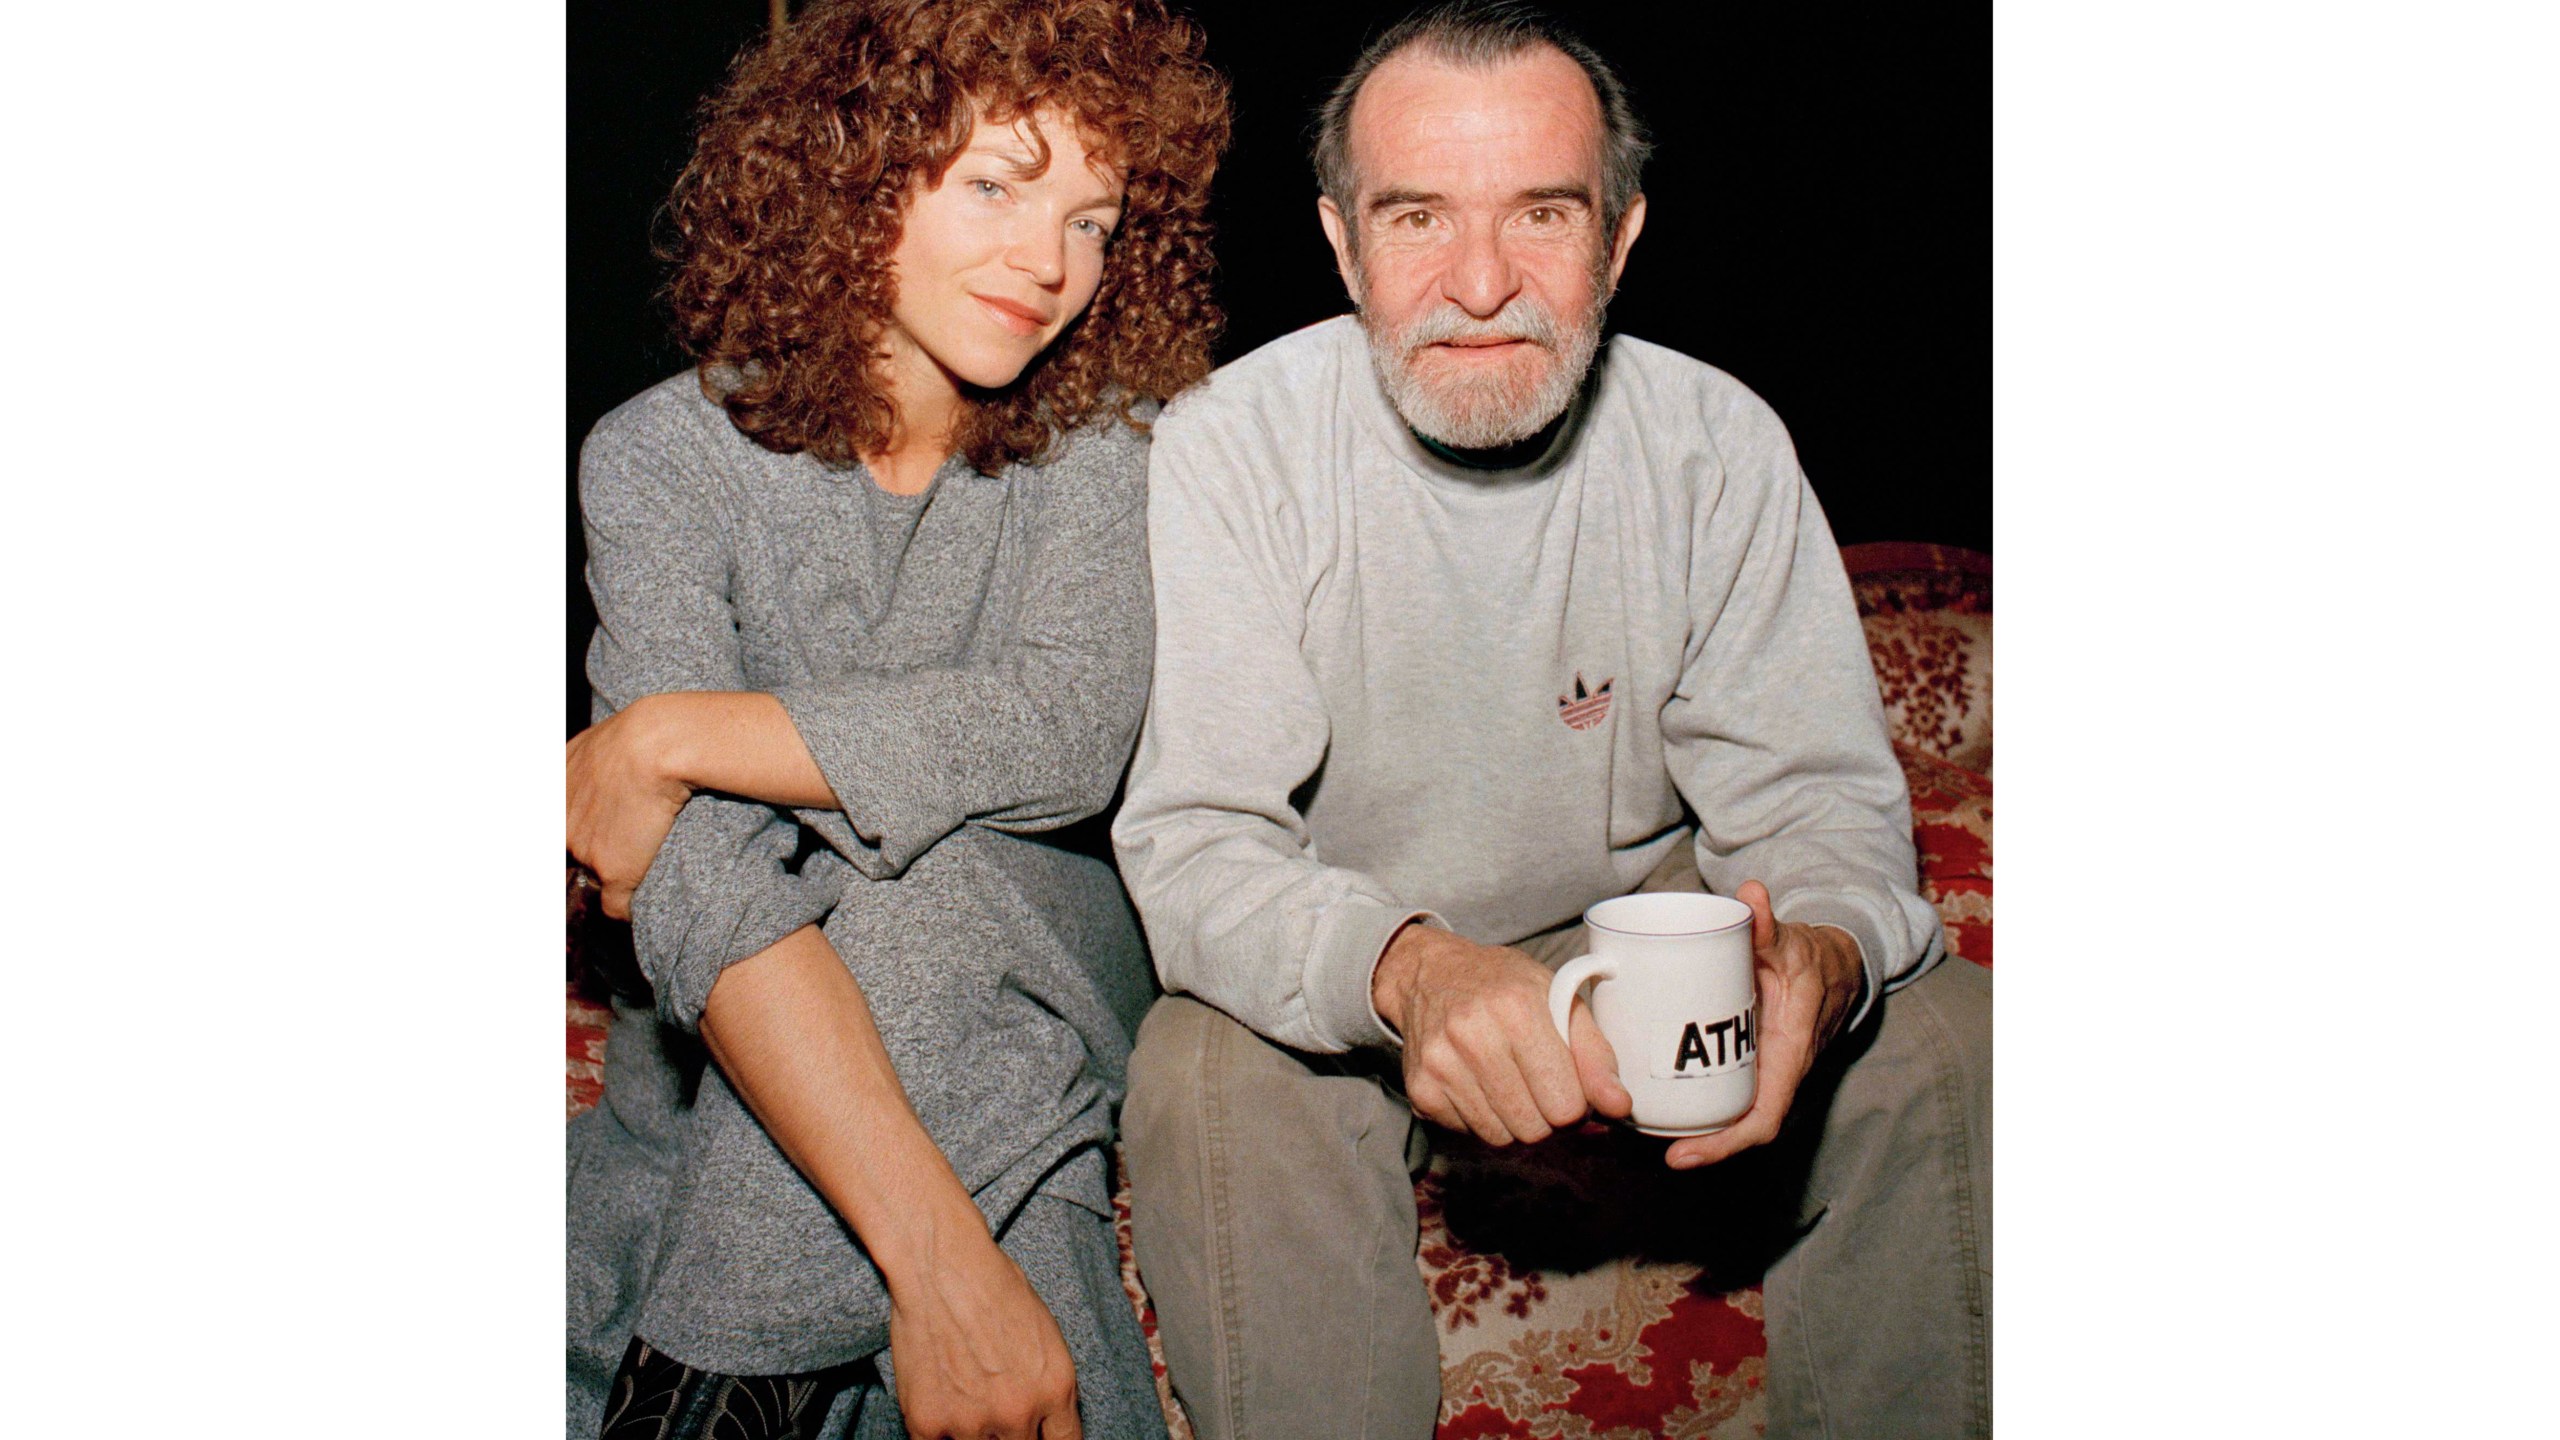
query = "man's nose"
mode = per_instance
[
  {"x": 1039, "y": 251},
  {"x": 1481, "y": 278}
]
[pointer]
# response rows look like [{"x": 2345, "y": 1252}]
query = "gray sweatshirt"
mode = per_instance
[
  {"x": 1389, "y": 686},
  {"x": 968, "y": 670}
]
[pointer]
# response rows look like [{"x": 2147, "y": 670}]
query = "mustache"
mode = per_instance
[{"x": 1522, "y": 319}]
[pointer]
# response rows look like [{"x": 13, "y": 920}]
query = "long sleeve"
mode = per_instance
[
  {"x": 721, "y": 888},
  {"x": 1239, "y": 908},
  {"x": 1029, "y": 733},
  {"x": 1775, "y": 735}
]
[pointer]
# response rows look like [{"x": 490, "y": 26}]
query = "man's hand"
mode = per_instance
[
  {"x": 1809, "y": 977},
  {"x": 1480, "y": 1051},
  {"x": 622, "y": 800},
  {"x": 975, "y": 1351}
]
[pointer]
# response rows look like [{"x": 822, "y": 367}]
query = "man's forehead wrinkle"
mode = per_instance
[{"x": 1421, "y": 125}]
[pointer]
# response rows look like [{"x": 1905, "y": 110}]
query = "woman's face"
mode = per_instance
[{"x": 995, "y": 260}]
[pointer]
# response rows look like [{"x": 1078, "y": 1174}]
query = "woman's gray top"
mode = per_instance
[{"x": 968, "y": 669}]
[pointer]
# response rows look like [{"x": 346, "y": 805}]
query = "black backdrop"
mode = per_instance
[{"x": 1819, "y": 220}]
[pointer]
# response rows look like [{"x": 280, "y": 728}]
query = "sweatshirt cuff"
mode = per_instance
[
  {"x": 1828, "y": 907},
  {"x": 717, "y": 893},
  {"x": 881, "y": 766},
  {"x": 688, "y": 936},
  {"x": 1345, "y": 962}
]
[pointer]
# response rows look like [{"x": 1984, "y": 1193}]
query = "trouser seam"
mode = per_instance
[
  {"x": 1950, "y": 1095},
  {"x": 1225, "y": 1277},
  {"x": 1387, "y": 1234},
  {"x": 1804, "y": 1342}
]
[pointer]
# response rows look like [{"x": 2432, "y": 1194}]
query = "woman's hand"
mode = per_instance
[
  {"x": 976, "y": 1353},
  {"x": 623, "y": 798},
  {"x": 632, "y": 773}
]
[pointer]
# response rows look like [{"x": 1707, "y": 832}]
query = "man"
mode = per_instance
[{"x": 1464, "y": 625}]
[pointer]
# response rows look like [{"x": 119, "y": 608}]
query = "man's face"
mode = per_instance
[{"x": 1477, "y": 252}]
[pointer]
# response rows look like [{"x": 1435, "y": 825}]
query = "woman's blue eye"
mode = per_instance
[{"x": 987, "y": 189}]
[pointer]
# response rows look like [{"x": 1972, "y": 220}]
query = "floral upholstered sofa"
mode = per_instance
[{"x": 1618, "y": 1349}]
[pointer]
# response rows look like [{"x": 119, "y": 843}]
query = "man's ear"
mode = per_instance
[
  {"x": 1337, "y": 233},
  {"x": 1630, "y": 225}
]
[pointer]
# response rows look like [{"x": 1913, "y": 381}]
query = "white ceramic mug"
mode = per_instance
[{"x": 1676, "y": 998}]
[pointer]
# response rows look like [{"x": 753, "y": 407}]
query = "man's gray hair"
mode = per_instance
[{"x": 1479, "y": 34}]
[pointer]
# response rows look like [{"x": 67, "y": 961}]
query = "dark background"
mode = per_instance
[{"x": 1819, "y": 221}]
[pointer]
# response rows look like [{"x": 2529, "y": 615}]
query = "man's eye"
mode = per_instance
[
  {"x": 1543, "y": 215},
  {"x": 1415, "y": 220}
]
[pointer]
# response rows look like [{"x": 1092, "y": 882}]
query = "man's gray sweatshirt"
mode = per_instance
[{"x": 1390, "y": 686}]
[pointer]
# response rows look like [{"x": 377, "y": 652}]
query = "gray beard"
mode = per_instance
[{"x": 1484, "y": 412}]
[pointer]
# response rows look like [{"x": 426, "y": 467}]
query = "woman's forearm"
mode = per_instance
[
  {"x": 793, "y": 1034},
  {"x": 739, "y": 742}
]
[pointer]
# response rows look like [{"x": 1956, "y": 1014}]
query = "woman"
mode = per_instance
[{"x": 873, "y": 624}]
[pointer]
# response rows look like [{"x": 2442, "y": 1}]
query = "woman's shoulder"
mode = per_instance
[
  {"x": 670, "y": 440},
  {"x": 675, "y": 411}
]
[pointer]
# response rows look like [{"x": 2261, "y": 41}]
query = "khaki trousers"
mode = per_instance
[{"x": 1275, "y": 1226}]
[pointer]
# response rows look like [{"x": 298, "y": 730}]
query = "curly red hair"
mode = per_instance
[{"x": 786, "y": 216}]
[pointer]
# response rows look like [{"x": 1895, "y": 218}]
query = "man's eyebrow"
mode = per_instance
[
  {"x": 1389, "y": 199},
  {"x": 1538, "y": 194},
  {"x": 1550, "y": 193}
]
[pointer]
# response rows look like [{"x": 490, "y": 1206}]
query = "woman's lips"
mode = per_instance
[{"x": 1020, "y": 319}]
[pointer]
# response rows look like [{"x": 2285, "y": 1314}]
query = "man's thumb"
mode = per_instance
[
  {"x": 1595, "y": 1063},
  {"x": 1764, "y": 924}
]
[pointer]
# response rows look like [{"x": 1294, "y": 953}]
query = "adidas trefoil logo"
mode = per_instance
[{"x": 1584, "y": 708}]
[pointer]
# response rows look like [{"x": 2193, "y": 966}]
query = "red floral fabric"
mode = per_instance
[
  {"x": 1927, "y": 612},
  {"x": 1951, "y": 821},
  {"x": 587, "y": 1024},
  {"x": 588, "y": 1019},
  {"x": 1593, "y": 1346}
]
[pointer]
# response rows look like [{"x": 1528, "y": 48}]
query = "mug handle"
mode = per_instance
[{"x": 1568, "y": 983}]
